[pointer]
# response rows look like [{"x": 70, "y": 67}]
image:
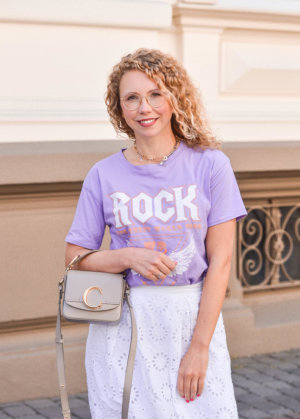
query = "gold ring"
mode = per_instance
[{"x": 85, "y": 295}]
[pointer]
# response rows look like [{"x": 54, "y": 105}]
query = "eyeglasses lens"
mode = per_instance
[{"x": 132, "y": 102}]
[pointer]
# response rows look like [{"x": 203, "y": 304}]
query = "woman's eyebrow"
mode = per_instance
[{"x": 149, "y": 91}]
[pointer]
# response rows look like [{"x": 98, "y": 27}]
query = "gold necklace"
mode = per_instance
[{"x": 162, "y": 159}]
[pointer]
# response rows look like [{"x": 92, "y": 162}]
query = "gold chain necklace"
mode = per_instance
[{"x": 162, "y": 159}]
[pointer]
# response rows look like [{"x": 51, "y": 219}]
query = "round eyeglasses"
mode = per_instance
[{"x": 133, "y": 101}]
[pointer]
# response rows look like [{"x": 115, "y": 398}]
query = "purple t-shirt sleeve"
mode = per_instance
[
  {"x": 88, "y": 225},
  {"x": 226, "y": 201}
]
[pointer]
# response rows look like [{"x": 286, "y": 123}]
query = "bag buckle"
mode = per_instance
[{"x": 85, "y": 295}]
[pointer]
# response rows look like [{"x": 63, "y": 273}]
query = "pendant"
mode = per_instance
[{"x": 164, "y": 159}]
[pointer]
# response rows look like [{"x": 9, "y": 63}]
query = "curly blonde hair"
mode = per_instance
[{"x": 188, "y": 120}]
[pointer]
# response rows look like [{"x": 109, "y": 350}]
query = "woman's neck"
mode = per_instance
[{"x": 155, "y": 147}]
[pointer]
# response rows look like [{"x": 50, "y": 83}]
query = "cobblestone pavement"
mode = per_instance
[{"x": 266, "y": 387}]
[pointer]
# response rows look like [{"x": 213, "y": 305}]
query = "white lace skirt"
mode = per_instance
[{"x": 165, "y": 318}]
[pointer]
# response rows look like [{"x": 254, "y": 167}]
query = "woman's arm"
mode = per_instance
[
  {"x": 193, "y": 366},
  {"x": 147, "y": 262},
  {"x": 114, "y": 261}
]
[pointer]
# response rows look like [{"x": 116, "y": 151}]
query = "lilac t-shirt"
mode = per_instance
[{"x": 163, "y": 207}]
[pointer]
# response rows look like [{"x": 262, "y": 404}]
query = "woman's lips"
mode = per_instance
[{"x": 147, "y": 122}]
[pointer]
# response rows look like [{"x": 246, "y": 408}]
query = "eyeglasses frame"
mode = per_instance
[{"x": 140, "y": 102}]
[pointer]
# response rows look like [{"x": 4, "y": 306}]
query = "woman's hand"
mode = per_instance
[
  {"x": 192, "y": 372},
  {"x": 149, "y": 263}
]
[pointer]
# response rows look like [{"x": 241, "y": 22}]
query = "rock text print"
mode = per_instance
[{"x": 177, "y": 204}]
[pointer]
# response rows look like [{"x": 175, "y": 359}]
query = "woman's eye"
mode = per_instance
[
  {"x": 131, "y": 98},
  {"x": 155, "y": 94}
]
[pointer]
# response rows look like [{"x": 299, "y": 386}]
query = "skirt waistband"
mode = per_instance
[{"x": 168, "y": 289}]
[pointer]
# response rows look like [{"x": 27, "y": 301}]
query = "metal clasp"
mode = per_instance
[{"x": 85, "y": 295}]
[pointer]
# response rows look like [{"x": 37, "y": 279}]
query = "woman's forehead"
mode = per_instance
[{"x": 136, "y": 81}]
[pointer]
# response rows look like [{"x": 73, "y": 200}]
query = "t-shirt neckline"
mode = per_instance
[{"x": 151, "y": 166}]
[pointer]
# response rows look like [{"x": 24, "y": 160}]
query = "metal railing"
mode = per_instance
[{"x": 269, "y": 247}]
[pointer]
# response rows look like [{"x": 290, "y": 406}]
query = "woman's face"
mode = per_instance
[{"x": 146, "y": 121}]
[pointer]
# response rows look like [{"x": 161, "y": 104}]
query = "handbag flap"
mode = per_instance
[
  {"x": 96, "y": 288},
  {"x": 81, "y": 306}
]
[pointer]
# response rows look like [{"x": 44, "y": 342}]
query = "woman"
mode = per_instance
[{"x": 171, "y": 203}]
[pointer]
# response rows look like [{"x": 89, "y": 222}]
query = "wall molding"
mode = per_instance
[
  {"x": 260, "y": 69},
  {"x": 195, "y": 15},
  {"x": 278, "y": 187},
  {"x": 264, "y": 110},
  {"x": 31, "y": 324},
  {"x": 112, "y": 13},
  {"x": 60, "y": 162},
  {"x": 36, "y": 109},
  {"x": 47, "y": 109},
  {"x": 276, "y": 6},
  {"x": 200, "y": 1}
]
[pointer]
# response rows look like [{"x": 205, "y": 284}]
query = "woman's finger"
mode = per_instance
[
  {"x": 194, "y": 388},
  {"x": 156, "y": 275},
  {"x": 187, "y": 388},
  {"x": 200, "y": 387},
  {"x": 152, "y": 277},
  {"x": 163, "y": 270},
  {"x": 160, "y": 272},
  {"x": 180, "y": 385},
  {"x": 169, "y": 263},
  {"x": 160, "y": 276}
]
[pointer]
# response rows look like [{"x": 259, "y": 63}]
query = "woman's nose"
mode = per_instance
[{"x": 144, "y": 105}]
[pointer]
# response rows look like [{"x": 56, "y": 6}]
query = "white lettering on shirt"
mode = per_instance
[
  {"x": 120, "y": 209},
  {"x": 186, "y": 202},
  {"x": 141, "y": 206},
  {"x": 158, "y": 206}
]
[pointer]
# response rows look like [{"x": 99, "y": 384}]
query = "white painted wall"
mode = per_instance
[{"x": 56, "y": 56}]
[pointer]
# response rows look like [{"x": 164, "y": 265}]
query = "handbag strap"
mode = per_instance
[{"x": 66, "y": 412}]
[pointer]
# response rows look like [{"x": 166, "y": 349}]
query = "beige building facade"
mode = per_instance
[{"x": 55, "y": 59}]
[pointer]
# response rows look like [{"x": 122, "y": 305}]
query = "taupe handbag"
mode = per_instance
[{"x": 92, "y": 297}]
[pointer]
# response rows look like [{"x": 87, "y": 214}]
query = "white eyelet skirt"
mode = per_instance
[{"x": 165, "y": 318}]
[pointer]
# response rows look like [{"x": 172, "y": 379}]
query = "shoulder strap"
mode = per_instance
[
  {"x": 60, "y": 360},
  {"x": 130, "y": 359},
  {"x": 60, "y": 349}
]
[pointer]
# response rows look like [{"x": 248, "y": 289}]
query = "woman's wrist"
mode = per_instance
[
  {"x": 126, "y": 253},
  {"x": 199, "y": 344}
]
